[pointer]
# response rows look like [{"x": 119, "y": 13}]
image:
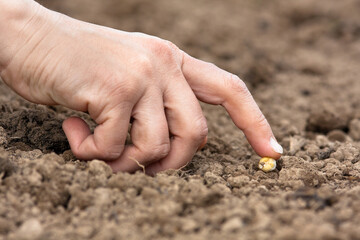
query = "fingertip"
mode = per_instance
[
  {"x": 276, "y": 147},
  {"x": 265, "y": 146}
]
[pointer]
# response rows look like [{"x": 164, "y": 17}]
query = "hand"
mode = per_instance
[{"x": 115, "y": 76}]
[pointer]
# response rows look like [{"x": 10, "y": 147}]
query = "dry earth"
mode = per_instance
[{"x": 300, "y": 60}]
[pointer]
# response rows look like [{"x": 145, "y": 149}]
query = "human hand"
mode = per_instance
[{"x": 115, "y": 76}]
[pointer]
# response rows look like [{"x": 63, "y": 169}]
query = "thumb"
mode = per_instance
[{"x": 216, "y": 86}]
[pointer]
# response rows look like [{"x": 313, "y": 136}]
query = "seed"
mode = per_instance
[{"x": 267, "y": 164}]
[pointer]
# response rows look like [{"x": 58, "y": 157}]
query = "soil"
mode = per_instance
[{"x": 300, "y": 60}]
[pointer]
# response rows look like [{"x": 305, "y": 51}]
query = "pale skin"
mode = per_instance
[{"x": 52, "y": 59}]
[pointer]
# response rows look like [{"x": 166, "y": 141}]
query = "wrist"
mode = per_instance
[{"x": 16, "y": 16}]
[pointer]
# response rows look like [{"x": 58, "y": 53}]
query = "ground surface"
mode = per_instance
[{"x": 301, "y": 61}]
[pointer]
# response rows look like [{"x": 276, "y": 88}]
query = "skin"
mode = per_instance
[{"x": 49, "y": 58}]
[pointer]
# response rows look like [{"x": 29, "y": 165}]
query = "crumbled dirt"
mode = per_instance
[{"x": 300, "y": 60}]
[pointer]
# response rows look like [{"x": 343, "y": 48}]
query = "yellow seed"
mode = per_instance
[{"x": 267, "y": 164}]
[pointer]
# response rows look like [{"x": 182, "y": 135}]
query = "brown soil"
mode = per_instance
[{"x": 299, "y": 58}]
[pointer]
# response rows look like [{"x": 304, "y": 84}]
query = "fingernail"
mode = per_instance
[{"x": 276, "y": 146}]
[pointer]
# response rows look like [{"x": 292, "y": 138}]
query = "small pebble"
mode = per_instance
[{"x": 30, "y": 229}]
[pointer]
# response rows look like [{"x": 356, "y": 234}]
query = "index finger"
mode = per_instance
[{"x": 216, "y": 86}]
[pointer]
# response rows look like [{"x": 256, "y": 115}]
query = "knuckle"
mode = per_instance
[
  {"x": 236, "y": 84},
  {"x": 99, "y": 151},
  {"x": 163, "y": 49},
  {"x": 199, "y": 130},
  {"x": 172, "y": 47},
  {"x": 110, "y": 152},
  {"x": 145, "y": 65},
  {"x": 156, "y": 151},
  {"x": 260, "y": 121},
  {"x": 162, "y": 150},
  {"x": 106, "y": 150}
]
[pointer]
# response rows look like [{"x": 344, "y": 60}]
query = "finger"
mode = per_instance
[
  {"x": 149, "y": 135},
  {"x": 202, "y": 145},
  {"x": 186, "y": 124},
  {"x": 107, "y": 142},
  {"x": 216, "y": 86}
]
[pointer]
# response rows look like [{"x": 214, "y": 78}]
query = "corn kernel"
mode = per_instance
[{"x": 267, "y": 164}]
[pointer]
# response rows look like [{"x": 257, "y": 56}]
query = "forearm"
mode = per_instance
[{"x": 15, "y": 15}]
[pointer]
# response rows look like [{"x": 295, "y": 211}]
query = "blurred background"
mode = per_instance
[{"x": 296, "y": 57}]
